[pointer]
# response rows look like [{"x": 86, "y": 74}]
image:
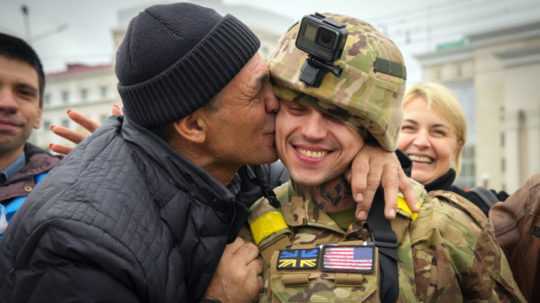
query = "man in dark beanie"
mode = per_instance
[{"x": 143, "y": 210}]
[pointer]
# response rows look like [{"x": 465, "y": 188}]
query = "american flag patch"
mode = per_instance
[{"x": 348, "y": 258}]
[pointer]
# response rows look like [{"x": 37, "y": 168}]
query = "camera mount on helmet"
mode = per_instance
[{"x": 323, "y": 39}]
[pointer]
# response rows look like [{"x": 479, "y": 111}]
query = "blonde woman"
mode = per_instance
[{"x": 433, "y": 134}]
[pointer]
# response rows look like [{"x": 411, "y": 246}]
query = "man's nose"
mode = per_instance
[
  {"x": 8, "y": 103},
  {"x": 314, "y": 126}
]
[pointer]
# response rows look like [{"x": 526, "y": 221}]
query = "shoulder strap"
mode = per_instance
[
  {"x": 259, "y": 176},
  {"x": 386, "y": 241},
  {"x": 486, "y": 195}
]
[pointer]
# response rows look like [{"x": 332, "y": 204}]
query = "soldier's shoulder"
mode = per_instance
[
  {"x": 452, "y": 219},
  {"x": 282, "y": 192},
  {"x": 454, "y": 202}
]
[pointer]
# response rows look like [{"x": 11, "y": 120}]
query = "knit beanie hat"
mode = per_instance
[{"x": 175, "y": 58}]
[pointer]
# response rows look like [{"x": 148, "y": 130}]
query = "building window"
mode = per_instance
[
  {"x": 104, "y": 91},
  {"x": 65, "y": 97},
  {"x": 65, "y": 122},
  {"x": 84, "y": 94}
]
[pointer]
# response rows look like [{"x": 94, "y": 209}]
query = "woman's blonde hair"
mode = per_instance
[{"x": 442, "y": 101}]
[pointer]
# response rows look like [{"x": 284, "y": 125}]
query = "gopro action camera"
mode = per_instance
[
  {"x": 321, "y": 37},
  {"x": 323, "y": 40}
]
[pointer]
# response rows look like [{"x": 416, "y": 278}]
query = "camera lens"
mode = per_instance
[{"x": 326, "y": 38}]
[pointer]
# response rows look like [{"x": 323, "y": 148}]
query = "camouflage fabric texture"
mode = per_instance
[
  {"x": 361, "y": 96},
  {"x": 444, "y": 256}
]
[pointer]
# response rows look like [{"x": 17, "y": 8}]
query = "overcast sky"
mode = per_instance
[{"x": 87, "y": 35}]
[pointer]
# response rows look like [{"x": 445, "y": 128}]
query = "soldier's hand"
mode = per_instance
[
  {"x": 75, "y": 136},
  {"x": 237, "y": 278},
  {"x": 372, "y": 167}
]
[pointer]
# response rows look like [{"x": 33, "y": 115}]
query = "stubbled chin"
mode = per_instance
[{"x": 306, "y": 179}]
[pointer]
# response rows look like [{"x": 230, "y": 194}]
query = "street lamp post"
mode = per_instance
[
  {"x": 28, "y": 33},
  {"x": 26, "y": 16}
]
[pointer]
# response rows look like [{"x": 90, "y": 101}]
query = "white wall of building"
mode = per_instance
[
  {"x": 505, "y": 65},
  {"x": 101, "y": 93}
]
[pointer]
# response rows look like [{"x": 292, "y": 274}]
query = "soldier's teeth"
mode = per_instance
[{"x": 312, "y": 153}]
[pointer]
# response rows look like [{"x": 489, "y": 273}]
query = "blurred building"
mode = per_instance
[
  {"x": 267, "y": 25},
  {"x": 91, "y": 89},
  {"x": 495, "y": 74}
]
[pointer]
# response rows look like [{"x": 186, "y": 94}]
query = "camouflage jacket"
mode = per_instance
[{"x": 446, "y": 254}]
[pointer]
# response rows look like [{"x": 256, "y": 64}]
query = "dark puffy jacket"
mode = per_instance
[{"x": 121, "y": 219}]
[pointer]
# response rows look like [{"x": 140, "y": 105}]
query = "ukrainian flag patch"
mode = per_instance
[{"x": 298, "y": 259}]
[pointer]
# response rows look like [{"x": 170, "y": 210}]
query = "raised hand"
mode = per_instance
[{"x": 74, "y": 136}]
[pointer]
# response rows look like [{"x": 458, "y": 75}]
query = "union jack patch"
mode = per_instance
[
  {"x": 348, "y": 258},
  {"x": 298, "y": 259}
]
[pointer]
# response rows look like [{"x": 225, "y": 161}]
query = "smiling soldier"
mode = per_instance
[{"x": 314, "y": 248}]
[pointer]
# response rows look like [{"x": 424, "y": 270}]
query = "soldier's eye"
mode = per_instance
[{"x": 296, "y": 108}]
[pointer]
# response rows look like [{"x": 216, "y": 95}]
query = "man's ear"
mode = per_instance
[{"x": 192, "y": 127}]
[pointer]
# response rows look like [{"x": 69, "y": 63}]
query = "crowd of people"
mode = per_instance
[{"x": 178, "y": 196}]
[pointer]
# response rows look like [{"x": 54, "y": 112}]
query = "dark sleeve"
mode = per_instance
[
  {"x": 272, "y": 175},
  {"x": 259, "y": 180},
  {"x": 62, "y": 267},
  {"x": 277, "y": 174},
  {"x": 68, "y": 283}
]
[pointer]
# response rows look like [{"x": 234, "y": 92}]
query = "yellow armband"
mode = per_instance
[
  {"x": 267, "y": 224},
  {"x": 404, "y": 209}
]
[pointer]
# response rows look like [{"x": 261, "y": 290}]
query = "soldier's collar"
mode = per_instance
[{"x": 301, "y": 211}]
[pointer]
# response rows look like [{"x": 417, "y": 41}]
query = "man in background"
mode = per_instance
[{"x": 22, "y": 164}]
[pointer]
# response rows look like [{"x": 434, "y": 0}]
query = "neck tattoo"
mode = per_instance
[{"x": 331, "y": 196}]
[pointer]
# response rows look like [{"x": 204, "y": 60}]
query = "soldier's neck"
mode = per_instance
[{"x": 332, "y": 196}]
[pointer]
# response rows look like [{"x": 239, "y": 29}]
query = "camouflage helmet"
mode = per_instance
[{"x": 368, "y": 93}]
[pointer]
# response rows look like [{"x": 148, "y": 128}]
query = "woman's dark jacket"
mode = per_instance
[
  {"x": 121, "y": 219},
  {"x": 446, "y": 182}
]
